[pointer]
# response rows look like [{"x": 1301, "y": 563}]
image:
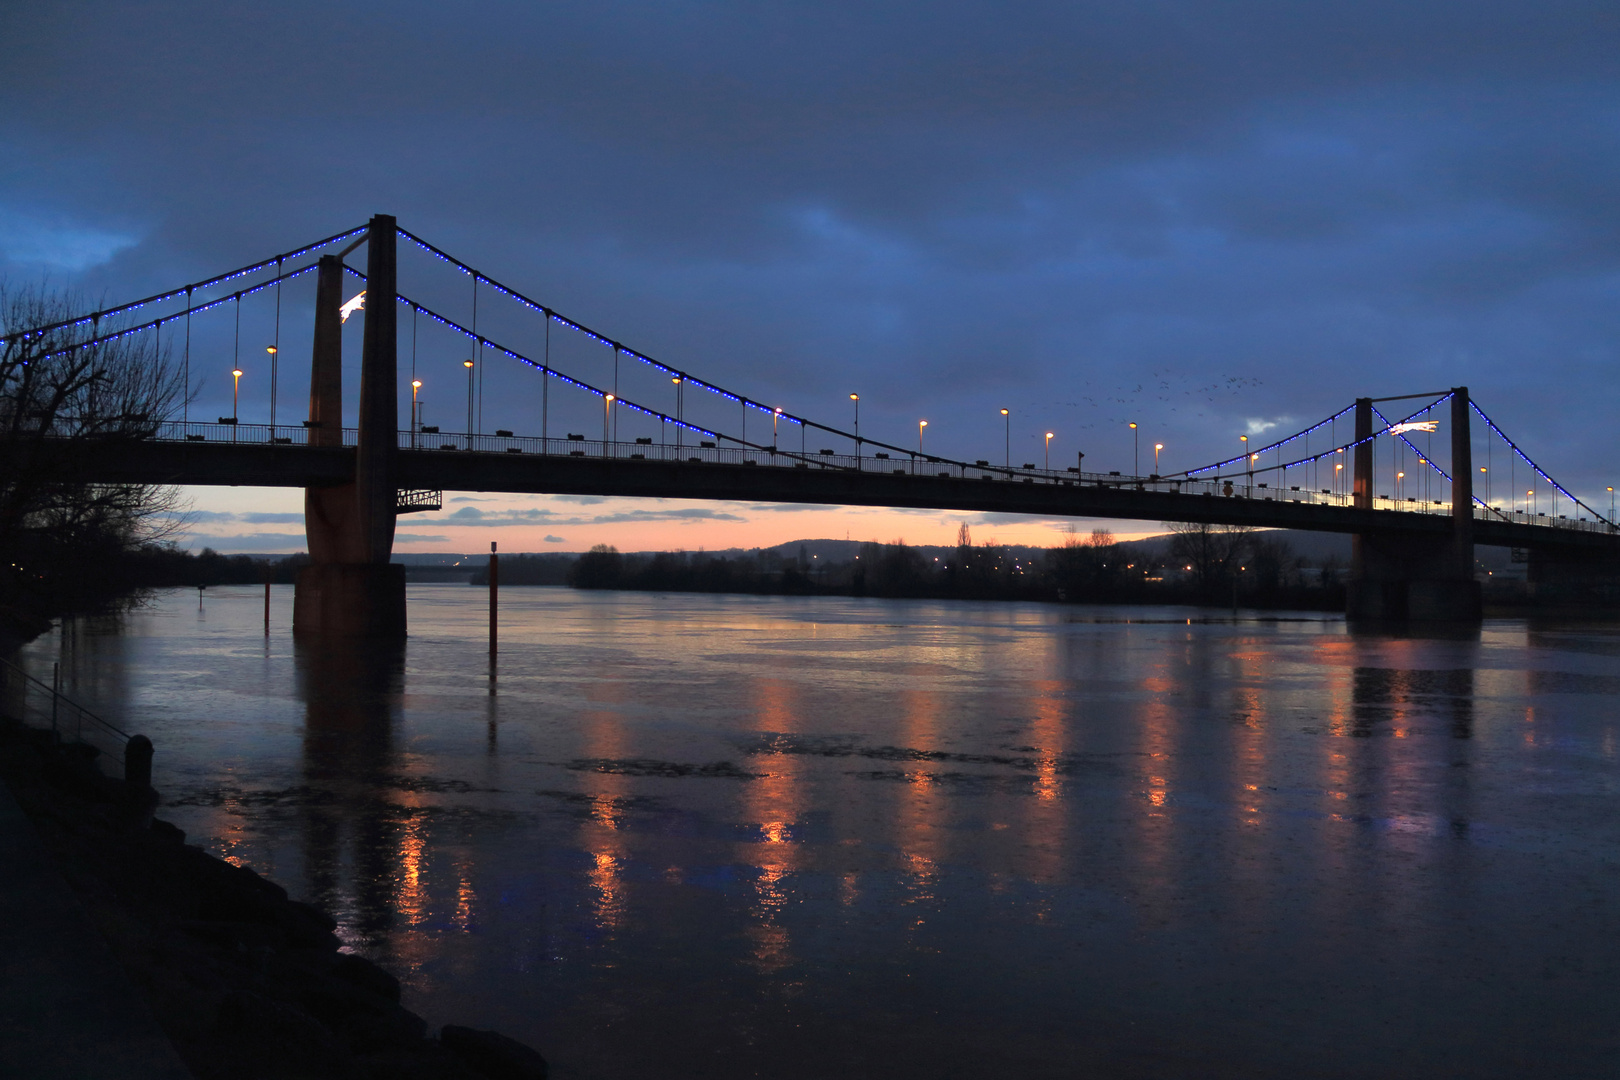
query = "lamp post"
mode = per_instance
[
  {"x": 1049, "y": 451},
  {"x": 468, "y": 364},
  {"x": 1486, "y": 473},
  {"x": 1611, "y": 507},
  {"x": 775, "y": 416},
  {"x": 236, "y": 383},
  {"x": 1007, "y": 416},
  {"x": 1529, "y": 502},
  {"x": 1156, "y": 448},
  {"x": 607, "y": 411},
  {"x": 920, "y": 425},
  {"x": 272, "y": 350},
  {"x": 1136, "y": 450},
  {"x": 1338, "y": 468},
  {"x": 1400, "y": 485},
  {"x": 856, "y": 398},
  {"x": 1244, "y": 439},
  {"x": 678, "y": 423},
  {"x": 416, "y": 385}
]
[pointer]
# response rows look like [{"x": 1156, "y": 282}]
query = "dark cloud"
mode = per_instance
[{"x": 1089, "y": 213}]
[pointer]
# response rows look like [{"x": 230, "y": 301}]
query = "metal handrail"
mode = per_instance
[{"x": 31, "y": 702}]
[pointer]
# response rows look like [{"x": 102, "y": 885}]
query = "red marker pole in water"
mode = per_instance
[
  {"x": 494, "y": 592},
  {"x": 267, "y": 597}
]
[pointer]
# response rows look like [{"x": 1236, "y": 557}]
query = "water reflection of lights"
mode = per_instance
[
  {"x": 411, "y": 897},
  {"x": 465, "y": 898},
  {"x": 771, "y": 803},
  {"x": 605, "y": 877}
]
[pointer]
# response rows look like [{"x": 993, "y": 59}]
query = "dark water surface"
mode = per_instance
[{"x": 726, "y": 837}]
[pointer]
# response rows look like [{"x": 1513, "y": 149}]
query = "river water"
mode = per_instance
[{"x": 822, "y": 837}]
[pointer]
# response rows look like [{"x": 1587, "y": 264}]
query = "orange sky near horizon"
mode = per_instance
[{"x": 266, "y": 520}]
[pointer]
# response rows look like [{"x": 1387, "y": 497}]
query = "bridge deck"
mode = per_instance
[{"x": 244, "y": 455}]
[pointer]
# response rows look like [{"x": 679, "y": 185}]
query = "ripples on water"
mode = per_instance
[{"x": 726, "y": 836}]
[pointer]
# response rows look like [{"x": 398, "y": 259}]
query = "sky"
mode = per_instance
[{"x": 1210, "y": 219}]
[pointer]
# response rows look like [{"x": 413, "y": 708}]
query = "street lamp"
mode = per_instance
[
  {"x": 607, "y": 411},
  {"x": 468, "y": 364},
  {"x": 856, "y": 398},
  {"x": 1156, "y": 448},
  {"x": 1611, "y": 506},
  {"x": 1244, "y": 439},
  {"x": 272, "y": 350},
  {"x": 416, "y": 385},
  {"x": 920, "y": 425},
  {"x": 775, "y": 416},
  {"x": 1048, "y": 451},
  {"x": 678, "y": 394},
  {"x": 1007, "y": 416},
  {"x": 1136, "y": 451},
  {"x": 1400, "y": 486},
  {"x": 236, "y": 382},
  {"x": 1338, "y": 480}
]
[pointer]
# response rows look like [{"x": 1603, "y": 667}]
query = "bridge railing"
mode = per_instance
[{"x": 710, "y": 452}]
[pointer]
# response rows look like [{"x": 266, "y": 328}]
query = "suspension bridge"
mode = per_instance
[{"x": 1413, "y": 540}]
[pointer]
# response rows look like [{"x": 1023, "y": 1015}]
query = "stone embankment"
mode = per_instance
[{"x": 246, "y": 983}]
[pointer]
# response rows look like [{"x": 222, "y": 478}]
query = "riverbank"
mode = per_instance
[{"x": 245, "y": 982}]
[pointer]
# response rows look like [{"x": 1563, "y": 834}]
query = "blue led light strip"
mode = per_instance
[
  {"x": 535, "y": 305},
  {"x": 587, "y": 387},
  {"x": 1264, "y": 449},
  {"x": 97, "y": 316},
  {"x": 155, "y": 323},
  {"x": 1427, "y": 460},
  {"x": 1538, "y": 470},
  {"x": 1330, "y": 452}
]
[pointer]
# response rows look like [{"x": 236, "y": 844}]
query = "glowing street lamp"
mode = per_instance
[
  {"x": 272, "y": 350},
  {"x": 1136, "y": 450},
  {"x": 1156, "y": 448},
  {"x": 607, "y": 411},
  {"x": 416, "y": 385},
  {"x": 679, "y": 387},
  {"x": 775, "y": 416},
  {"x": 920, "y": 425},
  {"x": 1338, "y": 478},
  {"x": 1007, "y": 416},
  {"x": 1048, "y": 451},
  {"x": 468, "y": 364},
  {"x": 856, "y": 398},
  {"x": 236, "y": 383},
  {"x": 1611, "y": 506},
  {"x": 1400, "y": 486}
]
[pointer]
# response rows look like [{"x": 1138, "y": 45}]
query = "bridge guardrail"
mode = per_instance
[{"x": 908, "y": 464}]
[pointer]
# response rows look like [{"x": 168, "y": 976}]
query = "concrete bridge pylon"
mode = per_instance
[
  {"x": 1407, "y": 577},
  {"x": 350, "y": 588}
]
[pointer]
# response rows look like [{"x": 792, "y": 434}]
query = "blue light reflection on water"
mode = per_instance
[{"x": 807, "y": 837}]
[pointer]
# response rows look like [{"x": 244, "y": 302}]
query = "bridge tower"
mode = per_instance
[
  {"x": 350, "y": 588},
  {"x": 1400, "y": 577}
]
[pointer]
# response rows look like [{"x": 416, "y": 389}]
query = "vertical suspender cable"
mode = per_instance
[
  {"x": 545, "y": 387},
  {"x": 275, "y": 357},
  {"x": 185, "y": 401},
  {"x": 480, "y": 353}
]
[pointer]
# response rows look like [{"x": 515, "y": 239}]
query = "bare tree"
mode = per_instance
[
  {"x": 1210, "y": 552},
  {"x": 55, "y": 387}
]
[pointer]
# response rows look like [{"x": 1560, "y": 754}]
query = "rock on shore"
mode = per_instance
[{"x": 246, "y": 982}]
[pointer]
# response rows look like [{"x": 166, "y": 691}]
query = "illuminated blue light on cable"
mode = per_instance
[
  {"x": 136, "y": 305},
  {"x": 199, "y": 309}
]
